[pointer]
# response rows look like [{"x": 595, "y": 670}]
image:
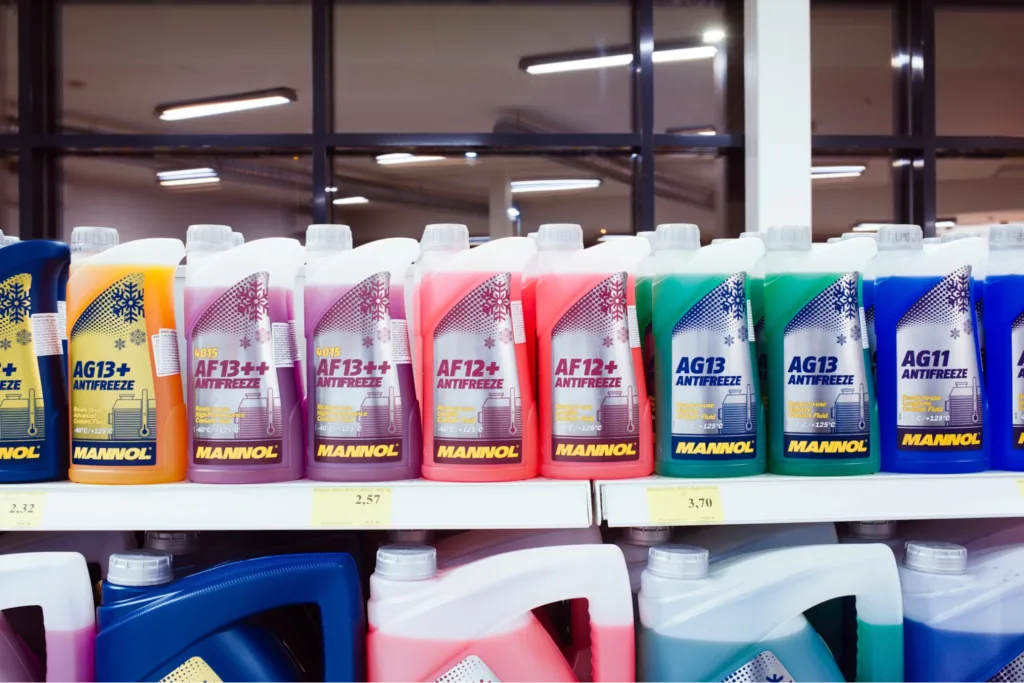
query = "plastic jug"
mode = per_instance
[
  {"x": 153, "y": 627},
  {"x": 595, "y": 413},
  {"x": 33, "y": 383},
  {"x": 963, "y": 614},
  {"x": 475, "y": 621},
  {"x": 706, "y": 367},
  {"x": 182, "y": 546},
  {"x": 85, "y": 241},
  {"x": 1004, "y": 334},
  {"x": 778, "y": 253},
  {"x": 886, "y": 532},
  {"x": 480, "y": 417},
  {"x": 59, "y": 584},
  {"x": 732, "y": 540},
  {"x": 127, "y": 412},
  {"x": 931, "y": 397},
  {"x": 742, "y": 618},
  {"x": 973, "y": 532},
  {"x": 636, "y": 543},
  {"x": 978, "y": 273},
  {"x": 363, "y": 418},
  {"x": 821, "y": 408},
  {"x": 244, "y": 370},
  {"x": 95, "y": 546}
]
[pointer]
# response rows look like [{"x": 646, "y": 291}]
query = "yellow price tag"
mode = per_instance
[
  {"x": 22, "y": 510},
  {"x": 351, "y": 507},
  {"x": 672, "y": 505}
]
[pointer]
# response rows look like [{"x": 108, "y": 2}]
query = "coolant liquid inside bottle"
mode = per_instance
[{"x": 1004, "y": 333}]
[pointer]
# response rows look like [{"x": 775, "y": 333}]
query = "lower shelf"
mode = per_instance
[
  {"x": 771, "y": 498},
  {"x": 416, "y": 504}
]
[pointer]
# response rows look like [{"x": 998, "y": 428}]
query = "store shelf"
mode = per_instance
[
  {"x": 770, "y": 498},
  {"x": 417, "y": 504}
]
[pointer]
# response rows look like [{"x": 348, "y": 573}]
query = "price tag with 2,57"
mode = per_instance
[
  {"x": 351, "y": 506},
  {"x": 678, "y": 505},
  {"x": 22, "y": 510}
]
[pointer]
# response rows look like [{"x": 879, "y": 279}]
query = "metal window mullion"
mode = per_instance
[{"x": 642, "y": 75}]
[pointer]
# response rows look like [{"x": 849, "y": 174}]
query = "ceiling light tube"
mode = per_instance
[
  {"x": 190, "y": 181},
  {"x": 833, "y": 176},
  {"x": 830, "y": 170},
  {"x": 213, "y": 106},
  {"x": 186, "y": 173},
  {"x": 621, "y": 55},
  {"x": 692, "y": 130},
  {"x": 342, "y": 201},
  {"x": 554, "y": 185},
  {"x": 405, "y": 158}
]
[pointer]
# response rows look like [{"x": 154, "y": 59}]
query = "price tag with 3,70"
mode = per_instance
[
  {"x": 22, "y": 510},
  {"x": 351, "y": 506},
  {"x": 677, "y": 505}
]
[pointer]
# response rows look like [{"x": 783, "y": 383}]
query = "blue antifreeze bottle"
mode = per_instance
[
  {"x": 1004, "y": 332},
  {"x": 33, "y": 384},
  {"x": 931, "y": 396},
  {"x": 152, "y": 627}
]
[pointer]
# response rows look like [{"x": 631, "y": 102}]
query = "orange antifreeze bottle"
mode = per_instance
[{"x": 127, "y": 411}]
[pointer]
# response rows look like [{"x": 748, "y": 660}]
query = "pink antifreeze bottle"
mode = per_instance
[
  {"x": 475, "y": 621},
  {"x": 245, "y": 389}
]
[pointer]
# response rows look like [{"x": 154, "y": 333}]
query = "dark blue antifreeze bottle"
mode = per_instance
[{"x": 33, "y": 376}]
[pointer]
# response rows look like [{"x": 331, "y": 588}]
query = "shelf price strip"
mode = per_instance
[
  {"x": 22, "y": 510},
  {"x": 353, "y": 506},
  {"x": 681, "y": 505}
]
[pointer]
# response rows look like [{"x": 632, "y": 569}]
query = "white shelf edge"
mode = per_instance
[
  {"x": 768, "y": 498},
  {"x": 415, "y": 504}
]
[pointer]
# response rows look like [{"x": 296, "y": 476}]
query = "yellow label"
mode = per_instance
[
  {"x": 22, "y": 510},
  {"x": 192, "y": 670},
  {"x": 22, "y": 412},
  {"x": 351, "y": 507},
  {"x": 677, "y": 505}
]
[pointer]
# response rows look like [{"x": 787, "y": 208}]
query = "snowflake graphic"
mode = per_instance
[
  {"x": 774, "y": 678},
  {"x": 968, "y": 328},
  {"x": 263, "y": 335},
  {"x": 119, "y": 344},
  {"x": 506, "y": 336},
  {"x": 622, "y": 334},
  {"x": 14, "y": 303},
  {"x": 384, "y": 335},
  {"x": 245, "y": 343},
  {"x": 489, "y": 342},
  {"x": 367, "y": 342},
  {"x": 729, "y": 341},
  {"x": 24, "y": 337},
  {"x": 127, "y": 302},
  {"x": 958, "y": 292},
  {"x": 954, "y": 333},
  {"x": 613, "y": 298},
  {"x": 497, "y": 303},
  {"x": 841, "y": 340},
  {"x": 608, "y": 341},
  {"x": 846, "y": 299},
  {"x": 373, "y": 300},
  {"x": 5, "y": 344},
  {"x": 855, "y": 333},
  {"x": 253, "y": 302},
  {"x": 138, "y": 337},
  {"x": 734, "y": 301},
  {"x": 742, "y": 332}
]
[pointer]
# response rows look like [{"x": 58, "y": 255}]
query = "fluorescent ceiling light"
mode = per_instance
[
  {"x": 833, "y": 176},
  {"x": 942, "y": 225},
  {"x": 678, "y": 51},
  {"x": 332, "y": 188},
  {"x": 554, "y": 185},
  {"x": 186, "y": 173},
  {"x": 471, "y": 155},
  {"x": 684, "y": 54},
  {"x": 713, "y": 35},
  {"x": 512, "y": 213},
  {"x": 213, "y": 106},
  {"x": 692, "y": 130},
  {"x": 834, "y": 172},
  {"x": 405, "y": 158},
  {"x": 180, "y": 182},
  {"x": 341, "y": 201}
]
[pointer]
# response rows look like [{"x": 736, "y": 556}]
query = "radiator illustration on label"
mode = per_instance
[
  {"x": 113, "y": 403},
  {"x": 594, "y": 397},
  {"x": 714, "y": 408},
  {"x": 827, "y": 409},
  {"x": 478, "y": 409},
  {"x": 358, "y": 395},
  {"x": 938, "y": 385},
  {"x": 22, "y": 417},
  {"x": 236, "y": 390}
]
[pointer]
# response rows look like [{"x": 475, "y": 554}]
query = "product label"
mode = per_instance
[
  {"x": 113, "y": 402},
  {"x": 22, "y": 416},
  {"x": 938, "y": 380},
  {"x": 1017, "y": 383},
  {"x": 478, "y": 407},
  {"x": 472, "y": 668},
  {"x": 764, "y": 668},
  {"x": 1013, "y": 671},
  {"x": 714, "y": 408},
  {"x": 236, "y": 396},
  {"x": 192, "y": 669},
  {"x": 596, "y": 410},
  {"x": 827, "y": 414},
  {"x": 358, "y": 398}
]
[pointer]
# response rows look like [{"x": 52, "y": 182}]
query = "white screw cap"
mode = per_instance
[
  {"x": 788, "y": 238},
  {"x": 678, "y": 561},
  {"x": 935, "y": 557},
  {"x": 891, "y": 237},
  {"x": 559, "y": 237},
  {"x": 328, "y": 237},
  {"x": 681, "y": 236},
  {"x": 8, "y": 240},
  {"x": 406, "y": 562},
  {"x": 173, "y": 542},
  {"x": 445, "y": 236},
  {"x": 1009, "y": 236},
  {"x": 89, "y": 239},
  {"x": 880, "y": 530},
  {"x": 237, "y": 239},
  {"x": 208, "y": 237},
  {"x": 140, "y": 568},
  {"x": 647, "y": 535}
]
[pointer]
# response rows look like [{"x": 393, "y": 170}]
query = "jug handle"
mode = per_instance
[{"x": 59, "y": 584}]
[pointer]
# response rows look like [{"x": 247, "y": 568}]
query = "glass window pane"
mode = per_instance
[
  {"x": 851, "y": 70},
  {"x": 840, "y": 204},
  {"x": 686, "y": 97},
  {"x": 979, "y": 71},
  {"x": 8, "y": 64},
  {"x": 402, "y": 198},
  {"x": 690, "y": 188},
  {"x": 121, "y": 61},
  {"x": 456, "y": 67},
  {"x": 980, "y": 191}
]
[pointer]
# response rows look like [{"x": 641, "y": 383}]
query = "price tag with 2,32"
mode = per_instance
[
  {"x": 681, "y": 505},
  {"x": 22, "y": 510},
  {"x": 351, "y": 506}
]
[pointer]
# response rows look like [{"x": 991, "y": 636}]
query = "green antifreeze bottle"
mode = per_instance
[
  {"x": 822, "y": 412},
  {"x": 710, "y": 416}
]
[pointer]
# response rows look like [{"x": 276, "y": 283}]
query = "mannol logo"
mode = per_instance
[
  {"x": 599, "y": 450},
  {"x": 19, "y": 453},
  {"x": 384, "y": 450},
  {"x": 837, "y": 446},
  {"x": 942, "y": 440},
  {"x": 236, "y": 453},
  {"x": 112, "y": 453},
  {"x": 720, "y": 448},
  {"x": 477, "y": 452}
]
